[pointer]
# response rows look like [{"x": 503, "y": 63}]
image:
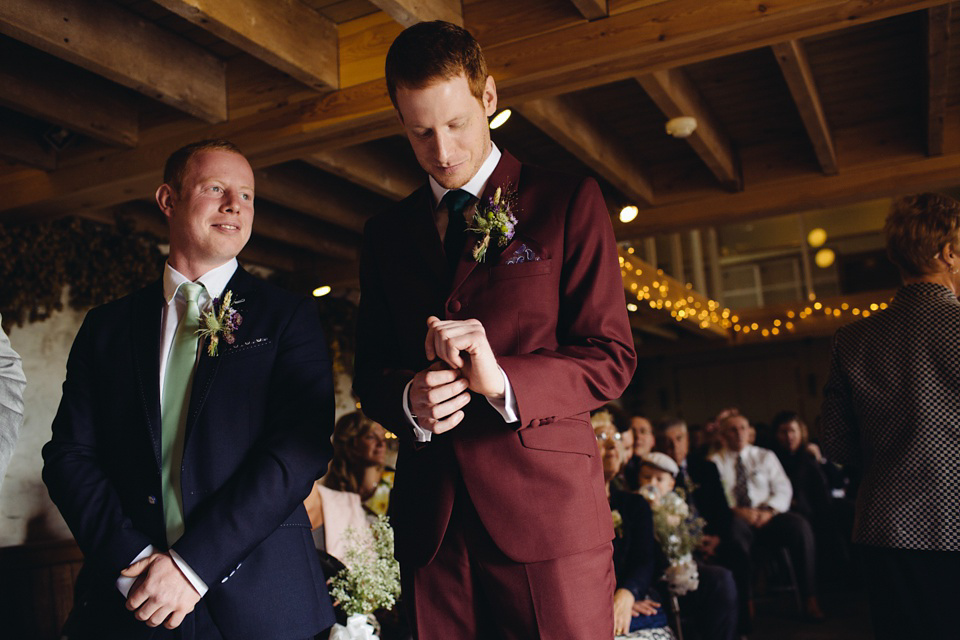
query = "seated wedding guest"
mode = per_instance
[
  {"x": 331, "y": 513},
  {"x": 892, "y": 408},
  {"x": 641, "y": 430},
  {"x": 12, "y": 383},
  {"x": 359, "y": 453},
  {"x": 759, "y": 493},
  {"x": 713, "y": 604},
  {"x": 810, "y": 495},
  {"x": 606, "y": 430},
  {"x": 831, "y": 518},
  {"x": 635, "y": 605}
]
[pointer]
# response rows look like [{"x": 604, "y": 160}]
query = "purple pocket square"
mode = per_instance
[{"x": 523, "y": 254}]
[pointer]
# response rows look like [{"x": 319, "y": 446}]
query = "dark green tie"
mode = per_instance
[
  {"x": 456, "y": 201},
  {"x": 173, "y": 411}
]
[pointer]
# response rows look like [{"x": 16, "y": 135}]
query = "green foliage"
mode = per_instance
[{"x": 99, "y": 263}]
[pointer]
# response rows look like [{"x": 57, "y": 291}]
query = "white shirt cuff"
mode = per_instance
[
  {"x": 421, "y": 434},
  {"x": 124, "y": 583},
  {"x": 190, "y": 574},
  {"x": 507, "y": 405}
]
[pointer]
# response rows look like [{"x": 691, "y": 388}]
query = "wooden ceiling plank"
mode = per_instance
[
  {"x": 591, "y": 9},
  {"x": 675, "y": 94},
  {"x": 285, "y": 187},
  {"x": 346, "y": 116},
  {"x": 298, "y": 230},
  {"x": 49, "y": 89},
  {"x": 370, "y": 170},
  {"x": 286, "y": 34},
  {"x": 572, "y": 129},
  {"x": 796, "y": 71},
  {"x": 410, "y": 12},
  {"x": 812, "y": 191},
  {"x": 119, "y": 45},
  {"x": 938, "y": 64}
]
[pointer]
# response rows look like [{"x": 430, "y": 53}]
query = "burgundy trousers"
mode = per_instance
[{"x": 472, "y": 590}]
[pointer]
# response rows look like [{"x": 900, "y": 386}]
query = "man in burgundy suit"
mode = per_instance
[{"x": 487, "y": 370}]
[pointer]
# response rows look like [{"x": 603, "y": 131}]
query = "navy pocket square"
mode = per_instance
[{"x": 523, "y": 254}]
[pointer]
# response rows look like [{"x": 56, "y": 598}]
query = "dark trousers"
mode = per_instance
[
  {"x": 472, "y": 590},
  {"x": 913, "y": 593},
  {"x": 790, "y": 530},
  {"x": 713, "y": 606}
]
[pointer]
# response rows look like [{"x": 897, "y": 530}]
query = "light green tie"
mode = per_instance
[{"x": 173, "y": 412}]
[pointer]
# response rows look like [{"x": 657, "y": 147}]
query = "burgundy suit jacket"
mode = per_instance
[{"x": 558, "y": 326}]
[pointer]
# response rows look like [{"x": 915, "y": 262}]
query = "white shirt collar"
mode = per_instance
[
  {"x": 477, "y": 183},
  {"x": 213, "y": 281}
]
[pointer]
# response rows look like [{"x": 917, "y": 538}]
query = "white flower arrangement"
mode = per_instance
[
  {"x": 678, "y": 532},
  {"x": 371, "y": 580}
]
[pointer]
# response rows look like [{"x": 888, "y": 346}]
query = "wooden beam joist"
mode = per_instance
[
  {"x": 674, "y": 92},
  {"x": 286, "y": 34},
  {"x": 591, "y": 9},
  {"x": 121, "y": 46},
  {"x": 938, "y": 65},
  {"x": 49, "y": 89},
  {"x": 410, "y": 12},
  {"x": 792, "y": 58},
  {"x": 813, "y": 191},
  {"x": 636, "y": 42},
  {"x": 306, "y": 232},
  {"x": 371, "y": 170},
  {"x": 571, "y": 128}
]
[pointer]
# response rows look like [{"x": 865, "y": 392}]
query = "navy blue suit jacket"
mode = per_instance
[{"x": 257, "y": 435}]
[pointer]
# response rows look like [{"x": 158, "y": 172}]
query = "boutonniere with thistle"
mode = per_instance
[
  {"x": 220, "y": 322},
  {"x": 496, "y": 220}
]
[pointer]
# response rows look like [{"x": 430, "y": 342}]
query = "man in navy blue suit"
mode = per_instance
[{"x": 180, "y": 458}]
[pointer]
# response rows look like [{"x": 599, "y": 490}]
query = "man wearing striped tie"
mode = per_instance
[
  {"x": 196, "y": 414},
  {"x": 759, "y": 493}
]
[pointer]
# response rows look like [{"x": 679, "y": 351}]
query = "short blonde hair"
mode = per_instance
[{"x": 917, "y": 228}]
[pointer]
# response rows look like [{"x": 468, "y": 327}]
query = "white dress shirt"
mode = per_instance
[
  {"x": 507, "y": 405},
  {"x": 767, "y": 482},
  {"x": 214, "y": 282}
]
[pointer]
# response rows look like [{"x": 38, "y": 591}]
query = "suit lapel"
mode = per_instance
[
  {"x": 243, "y": 286},
  {"x": 147, "y": 316},
  {"x": 506, "y": 174}
]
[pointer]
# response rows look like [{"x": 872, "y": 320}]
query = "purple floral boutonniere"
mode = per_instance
[
  {"x": 494, "y": 221},
  {"x": 220, "y": 323}
]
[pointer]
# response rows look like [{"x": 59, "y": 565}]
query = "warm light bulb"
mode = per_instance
[
  {"x": 631, "y": 307},
  {"x": 629, "y": 213},
  {"x": 816, "y": 237},
  {"x": 319, "y": 292},
  {"x": 824, "y": 258},
  {"x": 500, "y": 118},
  {"x": 681, "y": 127}
]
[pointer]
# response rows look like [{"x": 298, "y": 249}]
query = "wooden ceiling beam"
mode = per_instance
[
  {"x": 570, "y": 127},
  {"x": 591, "y": 9},
  {"x": 651, "y": 38},
  {"x": 20, "y": 146},
  {"x": 938, "y": 65},
  {"x": 410, "y": 12},
  {"x": 286, "y": 34},
  {"x": 123, "y": 47},
  {"x": 49, "y": 89},
  {"x": 306, "y": 232},
  {"x": 812, "y": 191},
  {"x": 674, "y": 92},
  {"x": 369, "y": 169},
  {"x": 792, "y": 58},
  {"x": 313, "y": 193}
]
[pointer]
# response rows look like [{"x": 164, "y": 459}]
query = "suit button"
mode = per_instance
[
  {"x": 151, "y": 499},
  {"x": 454, "y": 306}
]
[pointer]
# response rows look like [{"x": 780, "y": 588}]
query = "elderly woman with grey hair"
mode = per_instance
[{"x": 892, "y": 408}]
